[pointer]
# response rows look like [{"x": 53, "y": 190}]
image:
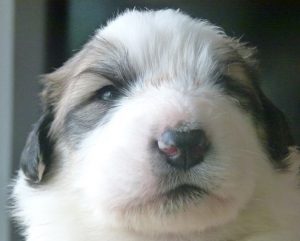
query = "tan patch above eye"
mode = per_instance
[{"x": 237, "y": 72}]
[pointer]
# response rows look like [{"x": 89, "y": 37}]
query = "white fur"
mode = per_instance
[{"x": 106, "y": 190}]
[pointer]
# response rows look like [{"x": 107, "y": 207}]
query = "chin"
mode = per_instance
[{"x": 158, "y": 130}]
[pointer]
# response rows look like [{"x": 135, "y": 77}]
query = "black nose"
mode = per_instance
[{"x": 183, "y": 149}]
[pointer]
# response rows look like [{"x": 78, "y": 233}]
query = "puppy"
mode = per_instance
[{"x": 157, "y": 130}]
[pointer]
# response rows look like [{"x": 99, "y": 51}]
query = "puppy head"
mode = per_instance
[{"x": 158, "y": 124}]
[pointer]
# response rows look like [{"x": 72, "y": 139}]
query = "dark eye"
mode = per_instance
[{"x": 108, "y": 93}]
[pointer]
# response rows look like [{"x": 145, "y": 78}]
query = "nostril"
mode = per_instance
[
  {"x": 183, "y": 149},
  {"x": 169, "y": 150}
]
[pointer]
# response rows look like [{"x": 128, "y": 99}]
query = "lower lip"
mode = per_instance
[{"x": 185, "y": 190}]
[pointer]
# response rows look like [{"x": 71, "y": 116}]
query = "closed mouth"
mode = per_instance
[
  {"x": 179, "y": 198},
  {"x": 185, "y": 191}
]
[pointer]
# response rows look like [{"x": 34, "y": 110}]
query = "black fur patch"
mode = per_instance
[
  {"x": 38, "y": 149},
  {"x": 278, "y": 133},
  {"x": 265, "y": 115},
  {"x": 82, "y": 119}
]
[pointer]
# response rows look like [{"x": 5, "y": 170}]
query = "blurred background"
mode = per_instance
[{"x": 37, "y": 36}]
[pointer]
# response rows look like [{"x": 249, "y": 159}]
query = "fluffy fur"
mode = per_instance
[{"x": 89, "y": 170}]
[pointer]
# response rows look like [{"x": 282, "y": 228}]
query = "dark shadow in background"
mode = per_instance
[
  {"x": 57, "y": 32},
  {"x": 273, "y": 27}
]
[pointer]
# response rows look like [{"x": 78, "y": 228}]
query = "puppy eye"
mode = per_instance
[{"x": 108, "y": 93}]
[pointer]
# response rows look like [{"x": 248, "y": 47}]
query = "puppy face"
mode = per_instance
[{"x": 157, "y": 124}]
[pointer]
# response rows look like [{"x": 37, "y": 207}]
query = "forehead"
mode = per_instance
[{"x": 161, "y": 43}]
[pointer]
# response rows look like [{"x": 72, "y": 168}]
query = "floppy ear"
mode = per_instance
[
  {"x": 38, "y": 152},
  {"x": 278, "y": 135}
]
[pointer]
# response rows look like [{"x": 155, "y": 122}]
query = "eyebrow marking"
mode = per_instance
[
  {"x": 113, "y": 64},
  {"x": 245, "y": 94}
]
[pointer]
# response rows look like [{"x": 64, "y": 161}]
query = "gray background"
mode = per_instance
[{"x": 37, "y": 36}]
